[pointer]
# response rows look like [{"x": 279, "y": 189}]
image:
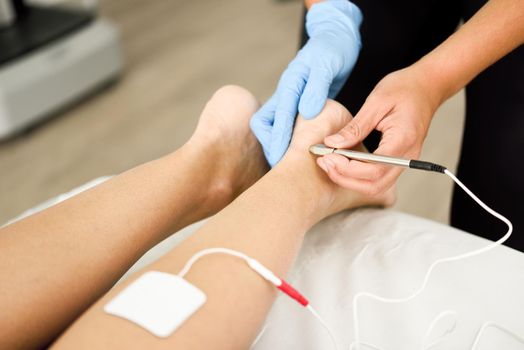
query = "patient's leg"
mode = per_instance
[
  {"x": 54, "y": 264},
  {"x": 267, "y": 222},
  {"x": 223, "y": 135}
]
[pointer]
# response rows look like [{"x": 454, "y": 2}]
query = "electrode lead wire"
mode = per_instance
[{"x": 356, "y": 343}]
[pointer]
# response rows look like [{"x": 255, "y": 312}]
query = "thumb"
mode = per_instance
[
  {"x": 315, "y": 94},
  {"x": 359, "y": 127}
]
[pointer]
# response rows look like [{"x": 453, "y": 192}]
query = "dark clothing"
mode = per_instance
[{"x": 395, "y": 34}]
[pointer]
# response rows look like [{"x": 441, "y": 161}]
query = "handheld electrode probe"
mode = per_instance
[{"x": 322, "y": 150}]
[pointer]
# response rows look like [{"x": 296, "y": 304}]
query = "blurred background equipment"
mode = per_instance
[{"x": 50, "y": 56}]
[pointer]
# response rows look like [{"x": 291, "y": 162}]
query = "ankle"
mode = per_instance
[
  {"x": 220, "y": 193},
  {"x": 327, "y": 197},
  {"x": 319, "y": 191},
  {"x": 214, "y": 189}
]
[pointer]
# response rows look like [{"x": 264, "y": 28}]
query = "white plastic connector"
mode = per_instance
[{"x": 264, "y": 272}]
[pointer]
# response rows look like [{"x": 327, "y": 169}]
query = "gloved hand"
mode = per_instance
[{"x": 318, "y": 71}]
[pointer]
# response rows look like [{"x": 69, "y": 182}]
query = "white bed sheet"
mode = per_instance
[{"x": 387, "y": 253}]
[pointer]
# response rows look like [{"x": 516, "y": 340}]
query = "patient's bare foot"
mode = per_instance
[
  {"x": 224, "y": 139},
  {"x": 309, "y": 132}
]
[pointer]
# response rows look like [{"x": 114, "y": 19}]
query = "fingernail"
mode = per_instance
[
  {"x": 337, "y": 138},
  {"x": 329, "y": 163},
  {"x": 322, "y": 165}
]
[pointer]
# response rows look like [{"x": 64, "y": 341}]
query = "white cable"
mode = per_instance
[
  {"x": 490, "y": 246},
  {"x": 260, "y": 335},
  {"x": 261, "y": 270},
  {"x": 324, "y": 324},
  {"x": 209, "y": 251},
  {"x": 499, "y": 327},
  {"x": 433, "y": 324},
  {"x": 267, "y": 274}
]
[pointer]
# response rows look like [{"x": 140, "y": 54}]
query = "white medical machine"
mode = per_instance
[{"x": 51, "y": 57}]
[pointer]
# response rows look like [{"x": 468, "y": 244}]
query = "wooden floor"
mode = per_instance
[{"x": 177, "y": 53}]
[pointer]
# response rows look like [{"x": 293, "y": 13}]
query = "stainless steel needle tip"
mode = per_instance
[{"x": 321, "y": 150}]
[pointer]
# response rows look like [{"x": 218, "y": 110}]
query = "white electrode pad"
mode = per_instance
[{"x": 158, "y": 301}]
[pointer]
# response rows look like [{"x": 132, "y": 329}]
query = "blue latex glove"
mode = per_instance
[{"x": 318, "y": 71}]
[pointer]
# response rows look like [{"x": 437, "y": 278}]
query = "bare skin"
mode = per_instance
[
  {"x": 310, "y": 3},
  {"x": 403, "y": 103},
  {"x": 58, "y": 262},
  {"x": 254, "y": 223}
]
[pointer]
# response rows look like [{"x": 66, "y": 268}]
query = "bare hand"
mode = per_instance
[{"x": 401, "y": 107}]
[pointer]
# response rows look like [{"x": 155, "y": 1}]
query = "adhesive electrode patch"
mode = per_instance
[{"x": 157, "y": 301}]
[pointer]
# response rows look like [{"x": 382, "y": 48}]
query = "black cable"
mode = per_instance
[{"x": 422, "y": 165}]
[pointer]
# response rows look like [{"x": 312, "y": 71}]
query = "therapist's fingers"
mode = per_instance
[
  {"x": 336, "y": 168},
  {"x": 358, "y": 170},
  {"x": 400, "y": 138},
  {"x": 315, "y": 93},
  {"x": 285, "y": 114},
  {"x": 397, "y": 141},
  {"x": 367, "y": 118},
  {"x": 334, "y": 175}
]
